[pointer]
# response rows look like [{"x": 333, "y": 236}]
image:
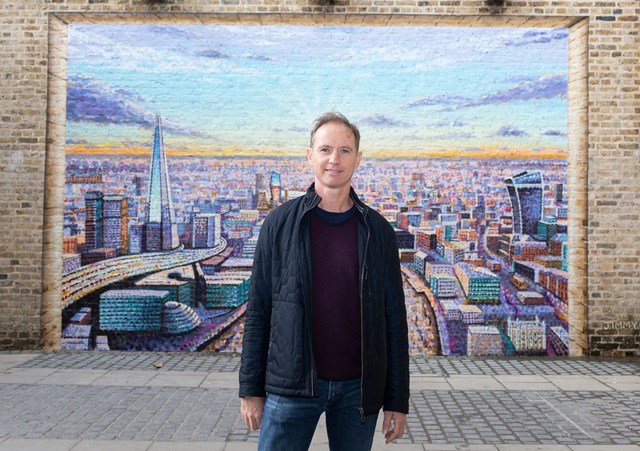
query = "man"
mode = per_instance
[{"x": 325, "y": 326}]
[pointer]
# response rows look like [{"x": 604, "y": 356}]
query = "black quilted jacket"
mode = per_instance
[{"x": 277, "y": 355}]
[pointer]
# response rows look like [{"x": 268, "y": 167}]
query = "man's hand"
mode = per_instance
[
  {"x": 251, "y": 408},
  {"x": 393, "y": 425}
]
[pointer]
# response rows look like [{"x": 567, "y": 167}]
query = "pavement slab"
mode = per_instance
[
  {"x": 471, "y": 382},
  {"x": 135, "y": 378},
  {"x": 72, "y": 377},
  {"x": 430, "y": 383},
  {"x": 220, "y": 380},
  {"x": 607, "y": 448},
  {"x": 240, "y": 447},
  {"x": 111, "y": 445},
  {"x": 533, "y": 448},
  {"x": 187, "y": 446},
  {"x": 24, "y": 375},
  {"x": 8, "y": 361},
  {"x": 459, "y": 447},
  {"x": 528, "y": 386},
  {"x": 177, "y": 379},
  {"x": 586, "y": 383},
  {"x": 37, "y": 445},
  {"x": 622, "y": 383}
]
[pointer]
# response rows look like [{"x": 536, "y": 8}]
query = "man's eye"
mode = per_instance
[{"x": 346, "y": 150}]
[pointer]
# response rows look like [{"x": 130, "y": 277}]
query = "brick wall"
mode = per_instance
[{"x": 604, "y": 187}]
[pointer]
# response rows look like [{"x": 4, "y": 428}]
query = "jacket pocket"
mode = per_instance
[{"x": 285, "y": 361}]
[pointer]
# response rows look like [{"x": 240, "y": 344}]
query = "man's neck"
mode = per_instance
[{"x": 335, "y": 200}]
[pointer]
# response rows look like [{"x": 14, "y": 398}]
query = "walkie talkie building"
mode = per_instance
[{"x": 526, "y": 193}]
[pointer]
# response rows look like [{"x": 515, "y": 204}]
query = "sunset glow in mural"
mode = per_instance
[{"x": 247, "y": 90}]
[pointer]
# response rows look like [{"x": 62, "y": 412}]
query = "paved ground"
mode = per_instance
[{"x": 112, "y": 400}]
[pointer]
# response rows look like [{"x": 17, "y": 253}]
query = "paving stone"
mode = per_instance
[
  {"x": 19, "y": 379},
  {"x": 240, "y": 447},
  {"x": 177, "y": 379},
  {"x": 429, "y": 383},
  {"x": 533, "y": 448},
  {"x": 8, "y": 361},
  {"x": 72, "y": 377},
  {"x": 578, "y": 383},
  {"x": 621, "y": 383},
  {"x": 125, "y": 378},
  {"x": 188, "y": 446},
  {"x": 608, "y": 448},
  {"x": 113, "y": 445},
  {"x": 220, "y": 380},
  {"x": 460, "y": 382},
  {"x": 459, "y": 447},
  {"x": 37, "y": 445}
]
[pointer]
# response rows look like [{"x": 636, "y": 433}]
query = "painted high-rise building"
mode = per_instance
[
  {"x": 137, "y": 242},
  {"x": 116, "y": 223},
  {"x": 480, "y": 210},
  {"x": 276, "y": 188},
  {"x": 93, "y": 226},
  {"x": 559, "y": 192},
  {"x": 259, "y": 182},
  {"x": 162, "y": 233},
  {"x": 526, "y": 194},
  {"x": 206, "y": 230},
  {"x": 259, "y": 186},
  {"x": 137, "y": 182}
]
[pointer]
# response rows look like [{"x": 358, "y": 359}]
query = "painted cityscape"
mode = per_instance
[{"x": 181, "y": 139}]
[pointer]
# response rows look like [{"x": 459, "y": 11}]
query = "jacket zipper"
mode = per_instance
[
  {"x": 362, "y": 279},
  {"x": 314, "y": 380}
]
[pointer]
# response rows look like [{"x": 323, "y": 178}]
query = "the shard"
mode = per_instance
[{"x": 161, "y": 230}]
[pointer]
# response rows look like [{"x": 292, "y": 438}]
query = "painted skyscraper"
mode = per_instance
[
  {"x": 526, "y": 193},
  {"x": 276, "y": 188},
  {"x": 161, "y": 229},
  {"x": 93, "y": 222}
]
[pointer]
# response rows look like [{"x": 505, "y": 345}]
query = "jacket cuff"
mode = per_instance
[
  {"x": 251, "y": 390},
  {"x": 402, "y": 407}
]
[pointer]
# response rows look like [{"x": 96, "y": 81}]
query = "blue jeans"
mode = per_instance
[{"x": 288, "y": 423}]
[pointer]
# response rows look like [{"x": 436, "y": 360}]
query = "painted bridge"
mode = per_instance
[{"x": 90, "y": 278}]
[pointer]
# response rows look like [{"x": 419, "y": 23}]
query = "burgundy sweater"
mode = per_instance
[{"x": 336, "y": 300}]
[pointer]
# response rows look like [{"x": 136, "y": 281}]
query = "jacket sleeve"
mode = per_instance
[
  {"x": 396, "y": 397},
  {"x": 257, "y": 321}
]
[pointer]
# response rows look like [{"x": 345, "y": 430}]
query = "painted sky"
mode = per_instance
[{"x": 255, "y": 90}]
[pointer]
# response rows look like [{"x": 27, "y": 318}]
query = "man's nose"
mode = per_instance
[{"x": 335, "y": 156}]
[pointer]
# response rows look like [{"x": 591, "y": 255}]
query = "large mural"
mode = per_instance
[{"x": 181, "y": 139}]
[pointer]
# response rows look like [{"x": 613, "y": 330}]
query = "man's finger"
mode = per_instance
[
  {"x": 251, "y": 410},
  {"x": 393, "y": 434},
  {"x": 393, "y": 426},
  {"x": 251, "y": 424},
  {"x": 386, "y": 423}
]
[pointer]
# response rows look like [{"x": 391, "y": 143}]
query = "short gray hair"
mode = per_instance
[{"x": 333, "y": 116}]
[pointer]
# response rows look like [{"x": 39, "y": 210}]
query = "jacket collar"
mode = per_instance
[{"x": 312, "y": 199}]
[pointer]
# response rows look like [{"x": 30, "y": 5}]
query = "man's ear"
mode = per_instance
[{"x": 309, "y": 153}]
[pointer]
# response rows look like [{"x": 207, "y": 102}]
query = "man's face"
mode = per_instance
[{"x": 333, "y": 156}]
